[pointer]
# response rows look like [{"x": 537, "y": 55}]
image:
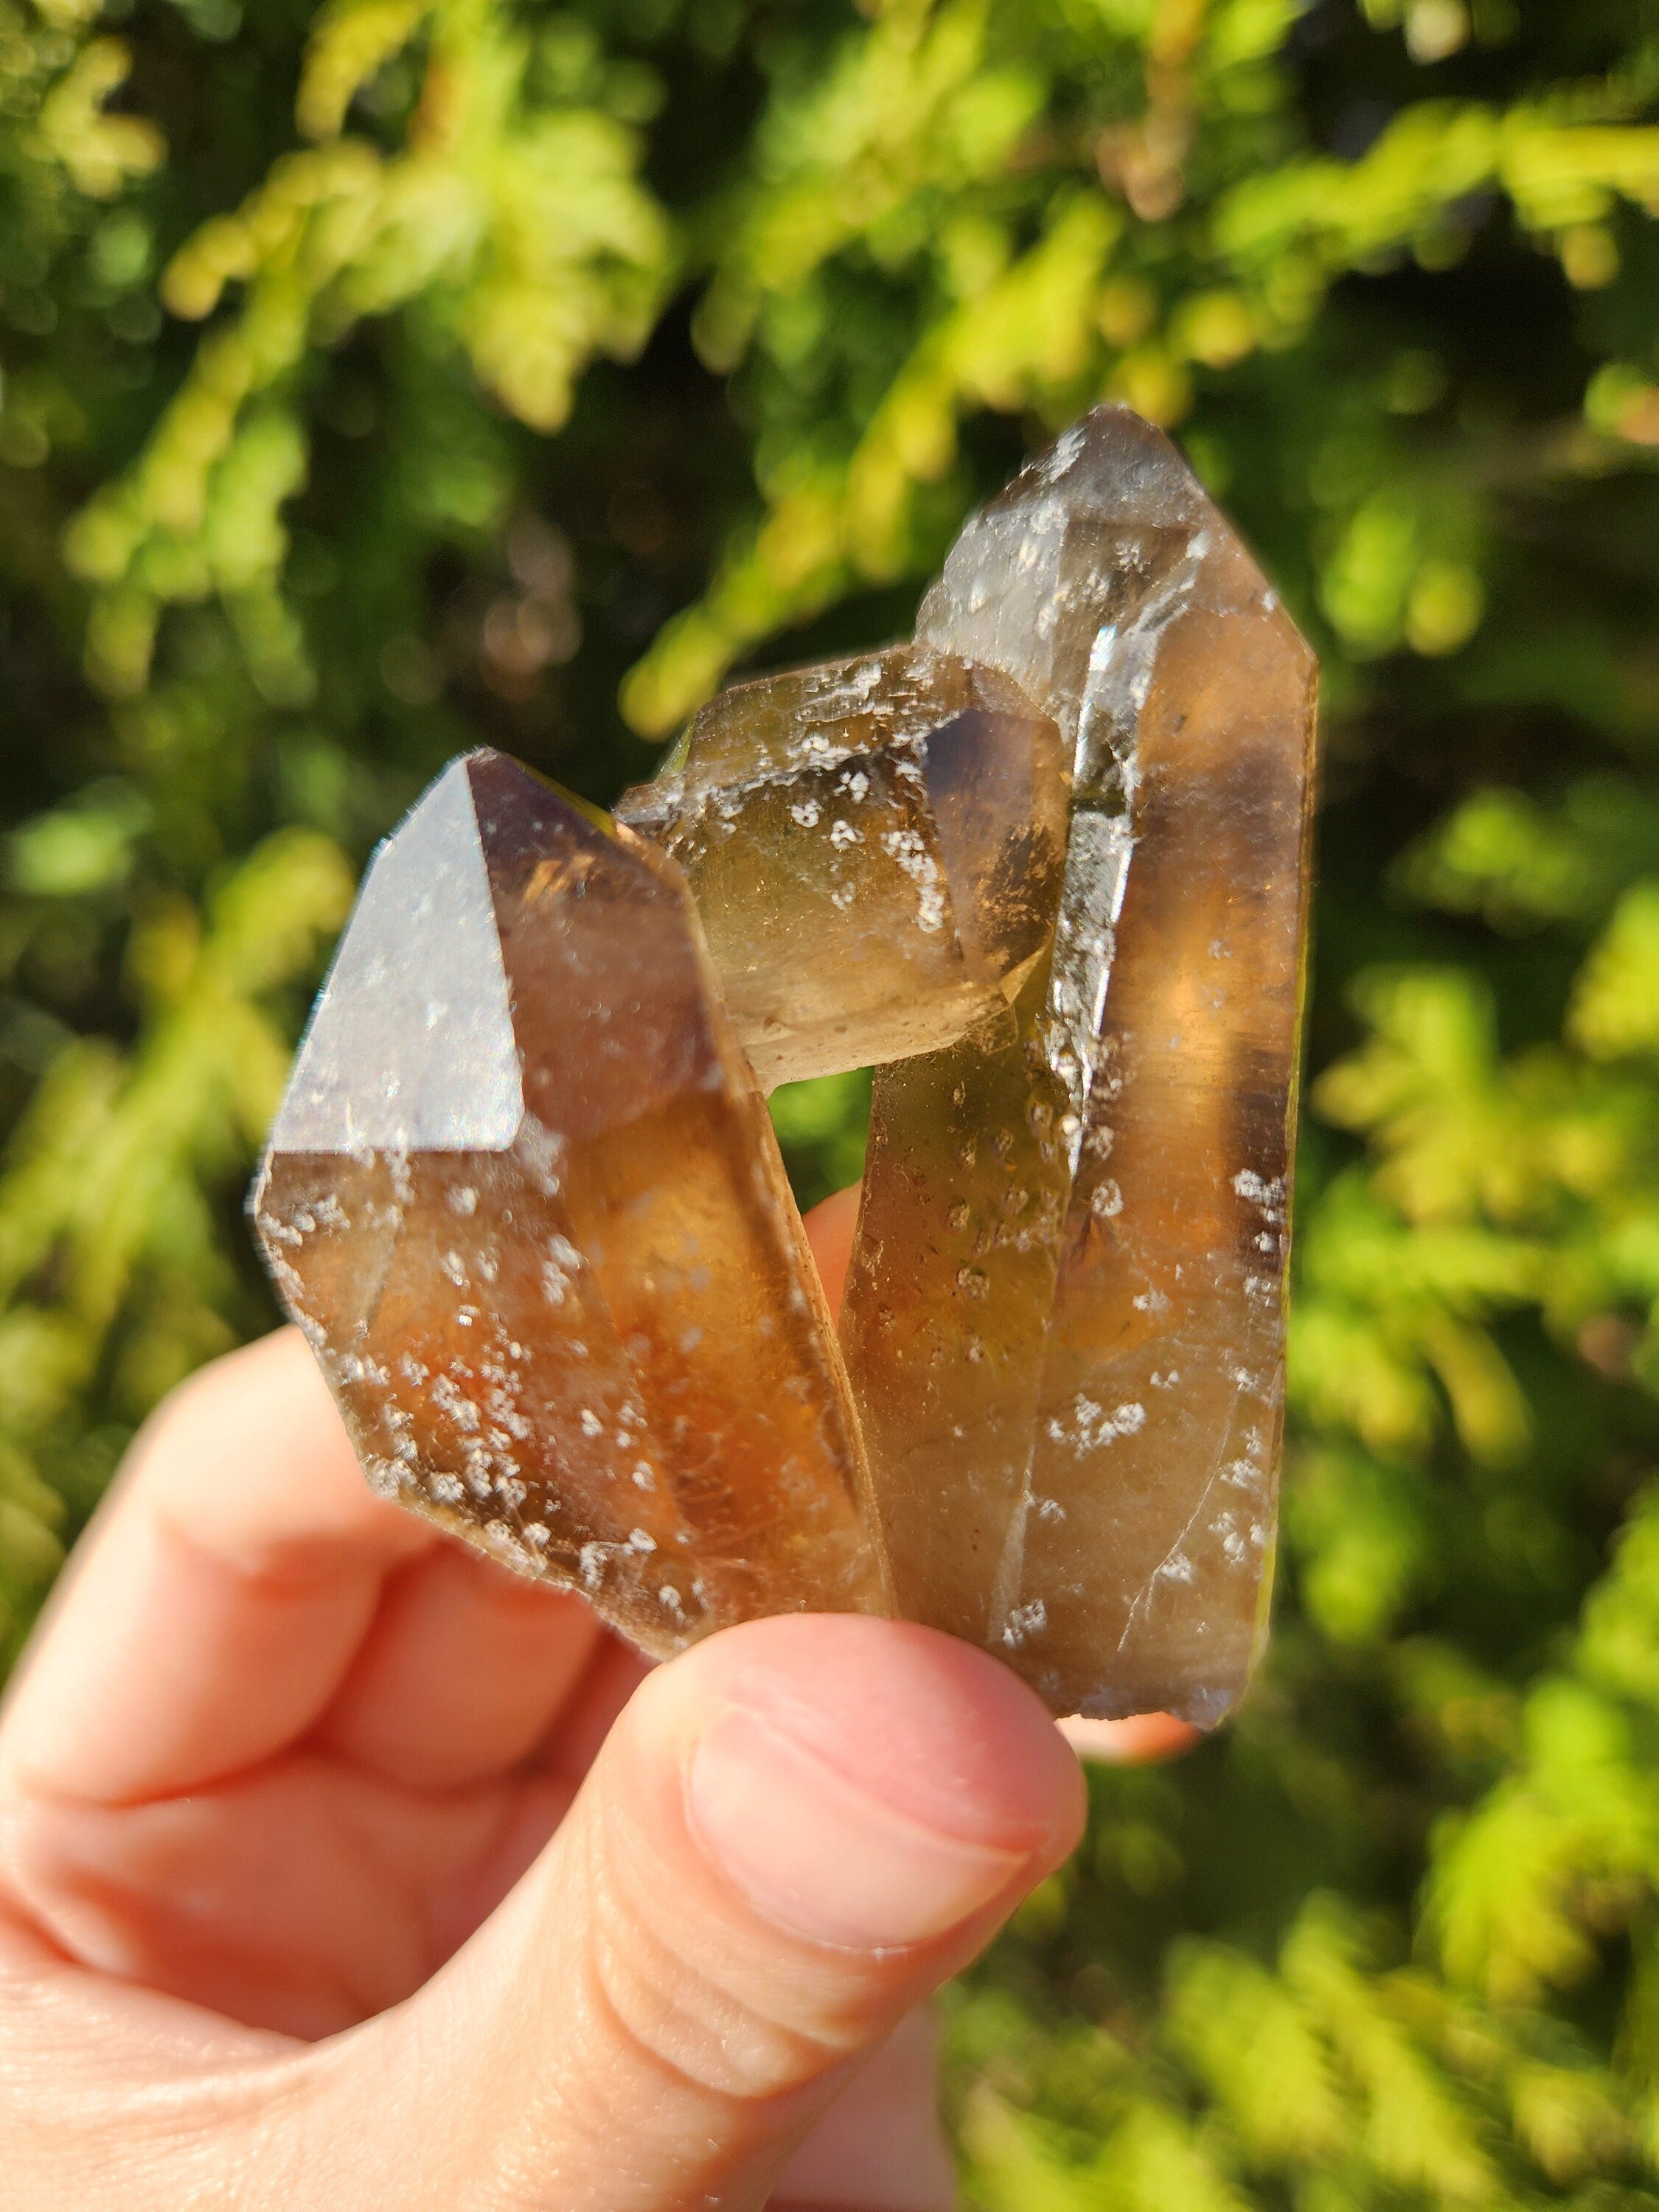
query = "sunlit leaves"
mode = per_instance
[{"x": 527, "y": 238}]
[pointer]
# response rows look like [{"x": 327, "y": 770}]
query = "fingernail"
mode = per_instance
[{"x": 818, "y": 1856}]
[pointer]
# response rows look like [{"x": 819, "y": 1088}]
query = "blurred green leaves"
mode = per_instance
[{"x": 384, "y": 376}]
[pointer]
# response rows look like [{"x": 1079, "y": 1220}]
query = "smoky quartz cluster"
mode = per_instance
[{"x": 1045, "y": 867}]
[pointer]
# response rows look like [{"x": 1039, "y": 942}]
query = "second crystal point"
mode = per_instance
[
  {"x": 875, "y": 848},
  {"x": 1065, "y": 1321}
]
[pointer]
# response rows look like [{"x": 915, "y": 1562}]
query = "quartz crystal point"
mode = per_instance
[
  {"x": 1064, "y": 1323},
  {"x": 875, "y": 848},
  {"x": 523, "y": 1197}
]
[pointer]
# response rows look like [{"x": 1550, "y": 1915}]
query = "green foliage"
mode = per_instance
[{"x": 396, "y": 374}]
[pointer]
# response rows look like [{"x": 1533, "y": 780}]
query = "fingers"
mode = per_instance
[
  {"x": 213, "y": 1607},
  {"x": 459, "y": 1673},
  {"x": 295, "y": 1897},
  {"x": 214, "y": 1612},
  {"x": 1143, "y": 1740},
  {"x": 794, "y": 1833},
  {"x": 831, "y": 1229}
]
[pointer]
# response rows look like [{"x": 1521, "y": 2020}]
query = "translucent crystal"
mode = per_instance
[
  {"x": 1064, "y": 1324},
  {"x": 523, "y": 1196},
  {"x": 874, "y": 846},
  {"x": 1047, "y": 866}
]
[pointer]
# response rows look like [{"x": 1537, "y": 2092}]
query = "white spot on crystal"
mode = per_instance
[
  {"x": 462, "y": 1411},
  {"x": 1093, "y": 1428},
  {"x": 1025, "y": 1621},
  {"x": 1257, "y": 1191}
]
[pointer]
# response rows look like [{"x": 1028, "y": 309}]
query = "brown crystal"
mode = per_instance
[
  {"x": 523, "y": 1198},
  {"x": 874, "y": 846},
  {"x": 1047, "y": 865},
  {"x": 1064, "y": 1324}
]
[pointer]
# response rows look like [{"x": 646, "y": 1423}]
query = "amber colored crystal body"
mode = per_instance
[
  {"x": 1046, "y": 867},
  {"x": 1064, "y": 1324},
  {"x": 874, "y": 846},
  {"x": 523, "y": 1198}
]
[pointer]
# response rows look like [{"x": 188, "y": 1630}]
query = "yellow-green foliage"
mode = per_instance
[{"x": 387, "y": 376}]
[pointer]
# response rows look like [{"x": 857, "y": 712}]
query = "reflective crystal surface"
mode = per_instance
[
  {"x": 1064, "y": 1325},
  {"x": 1045, "y": 867},
  {"x": 875, "y": 847},
  {"x": 524, "y": 1199}
]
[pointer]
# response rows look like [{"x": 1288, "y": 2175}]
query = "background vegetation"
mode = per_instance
[{"x": 388, "y": 376}]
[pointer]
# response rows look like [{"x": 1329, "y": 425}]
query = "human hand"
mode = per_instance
[{"x": 339, "y": 1869}]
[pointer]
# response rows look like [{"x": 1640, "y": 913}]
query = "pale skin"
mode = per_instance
[{"x": 340, "y": 1869}]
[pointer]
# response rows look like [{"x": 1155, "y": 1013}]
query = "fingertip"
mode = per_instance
[
  {"x": 831, "y": 1229},
  {"x": 1142, "y": 1740},
  {"x": 869, "y": 1782},
  {"x": 940, "y": 1730},
  {"x": 795, "y": 1832}
]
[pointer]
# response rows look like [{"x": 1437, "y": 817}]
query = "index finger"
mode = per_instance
[{"x": 215, "y": 1603}]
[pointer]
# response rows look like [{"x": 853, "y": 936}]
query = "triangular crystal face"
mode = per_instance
[
  {"x": 412, "y": 1041},
  {"x": 1079, "y": 551},
  {"x": 525, "y": 1202}
]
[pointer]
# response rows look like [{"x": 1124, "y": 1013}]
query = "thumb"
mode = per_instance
[{"x": 794, "y": 1833}]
